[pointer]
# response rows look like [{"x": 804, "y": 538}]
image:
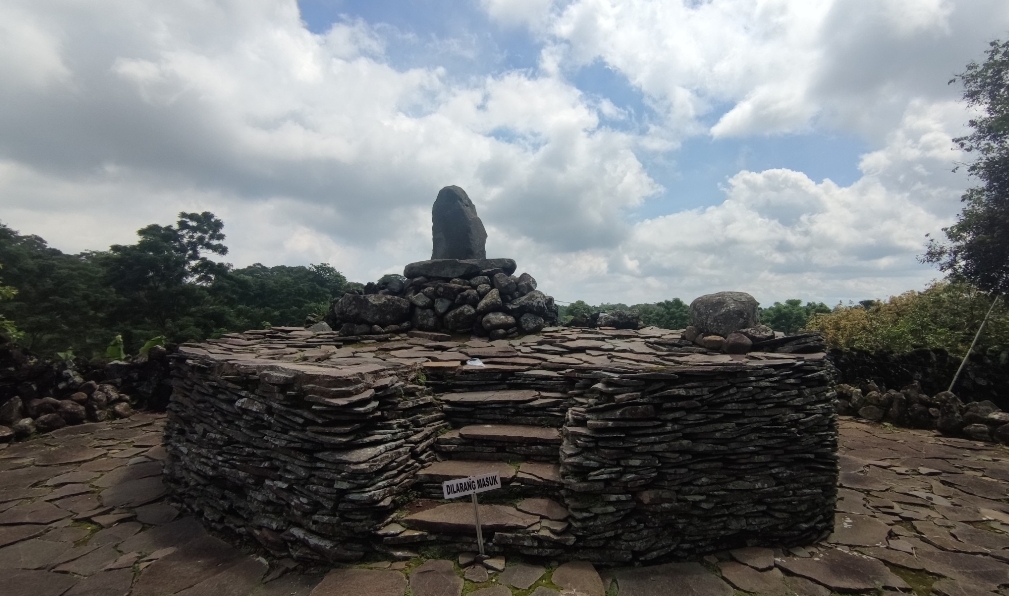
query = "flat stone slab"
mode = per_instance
[
  {"x": 457, "y": 518},
  {"x": 748, "y": 579},
  {"x": 858, "y": 530},
  {"x": 543, "y": 471},
  {"x": 682, "y": 579},
  {"x": 106, "y": 583},
  {"x": 510, "y": 433},
  {"x": 478, "y": 398},
  {"x": 977, "y": 569},
  {"x": 69, "y": 455},
  {"x": 843, "y": 572},
  {"x": 580, "y": 577},
  {"x": 38, "y": 512},
  {"x": 440, "y": 471},
  {"x": 521, "y": 576},
  {"x": 187, "y": 566},
  {"x": 366, "y": 582},
  {"x": 547, "y": 508},
  {"x": 12, "y": 534},
  {"x": 759, "y": 558},
  {"x": 32, "y": 554},
  {"x": 37, "y": 583},
  {"x": 435, "y": 578},
  {"x": 237, "y": 580},
  {"x": 492, "y": 591},
  {"x": 134, "y": 493}
]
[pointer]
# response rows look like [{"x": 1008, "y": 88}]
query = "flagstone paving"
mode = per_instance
[{"x": 83, "y": 511}]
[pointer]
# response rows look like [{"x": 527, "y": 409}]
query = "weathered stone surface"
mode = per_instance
[
  {"x": 689, "y": 579},
  {"x": 68, "y": 455},
  {"x": 976, "y": 569},
  {"x": 156, "y": 514},
  {"x": 435, "y": 577},
  {"x": 723, "y": 313},
  {"x": 6, "y": 434},
  {"x": 537, "y": 303},
  {"x": 747, "y": 579},
  {"x": 579, "y": 577},
  {"x": 49, "y": 422},
  {"x": 372, "y": 309},
  {"x": 134, "y": 493},
  {"x": 530, "y": 323},
  {"x": 192, "y": 563},
  {"x": 461, "y": 319},
  {"x": 106, "y": 583},
  {"x": 456, "y": 229},
  {"x": 456, "y": 518},
  {"x": 237, "y": 580},
  {"x": 37, "y": 583},
  {"x": 511, "y": 433},
  {"x": 24, "y": 428},
  {"x": 843, "y": 572},
  {"x": 12, "y": 534},
  {"x": 176, "y": 533},
  {"x": 441, "y": 471},
  {"x": 858, "y": 530},
  {"x": 758, "y": 333},
  {"x": 497, "y": 320},
  {"x": 476, "y": 574},
  {"x": 737, "y": 343},
  {"x": 492, "y": 591},
  {"x": 948, "y": 587},
  {"x": 757, "y": 557},
  {"x": 547, "y": 508},
  {"x": 490, "y": 302},
  {"x": 72, "y": 411},
  {"x": 38, "y": 512},
  {"x": 714, "y": 343},
  {"x": 32, "y": 554},
  {"x": 521, "y": 576},
  {"x": 11, "y": 411}
]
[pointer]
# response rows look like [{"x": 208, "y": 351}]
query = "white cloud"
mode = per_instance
[{"x": 316, "y": 148}]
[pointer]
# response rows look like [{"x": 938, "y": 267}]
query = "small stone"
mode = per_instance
[
  {"x": 49, "y": 422},
  {"x": 477, "y": 574},
  {"x": 521, "y": 576},
  {"x": 977, "y": 432},
  {"x": 6, "y": 434},
  {"x": 11, "y": 411},
  {"x": 23, "y": 428},
  {"x": 122, "y": 410},
  {"x": 72, "y": 412},
  {"x": 530, "y": 323},
  {"x": 712, "y": 342},
  {"x": 490, "y": 302},
  {"x": 871, "y": 413},
  {"x": 580, "y": 577},
  {"x": 759, "y": 558},
  {"x": 497, "y": 320},
  {"x": 436, "y": 577},
  {"x": 737, "y": 343},
  {"x": 495, "y": 563}
]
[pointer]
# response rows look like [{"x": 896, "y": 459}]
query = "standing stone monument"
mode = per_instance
[{"x": 457, "y": 229}]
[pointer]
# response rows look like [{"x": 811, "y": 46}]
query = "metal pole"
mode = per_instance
[
  {"x": 971, "y": 349},
  {"x": 479, "y": 532}
]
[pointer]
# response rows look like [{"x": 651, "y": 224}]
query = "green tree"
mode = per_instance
[
  {"x": 792, "y": 315},
  {"x": 668, "y": 314},
  {"x": 161, "y": 281},
  {"x": 61, "y": 301},
  {"x": 7, "y": 328},
  {"x": 576, "y": 308},
  {"x": 281, "y": 295},
  {"x": 977, "y": 245}
]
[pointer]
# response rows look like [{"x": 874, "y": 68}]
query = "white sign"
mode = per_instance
[{"x": 460, "y": 487}]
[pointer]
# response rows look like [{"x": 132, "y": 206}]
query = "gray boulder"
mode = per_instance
[
  {"x": 619, "y": 319},
  {"x": 23, "y": 428},
  {"x": 11, "y": 411},
  {"x": 737, "y": 343},
  {"x": 758, "y": 333},
  {"x": 506, "y": 284},
  {"x": 456, "y": 228},
  {"x": 372, "y": 309},
  {"x": 424, "y": 319},
  {"x": 723, "y": 313},
  {"x": 490, "y": 302},
  {"x": 530, "y": 323},
  {"x": 461, "y": 319},
  {"x": 457, "y": 268},
  {"x": 537, "y": 303},
  {"x": 497, "y": 320}
]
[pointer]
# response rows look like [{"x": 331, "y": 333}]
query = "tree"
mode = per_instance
[
  {"x": 668, "y": 314},
  {"x": 7, "y": 328},
  {"x": 977, "y": 245},
  {"x": 258, "y": 295},
  {"x": 162, "y": 280},
  {"x": 792, "y": 315}
]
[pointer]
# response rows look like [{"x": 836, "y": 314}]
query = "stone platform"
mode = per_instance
[
  {"x": 84, "y": 511},
  {"x": 614, "y": 446}
]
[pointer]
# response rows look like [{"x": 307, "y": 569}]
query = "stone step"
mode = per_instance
[
  {"x": 537, "y": 527},
  {"x": 515, "y": 406},
  {"x": 502, "y": 442},
  {"x": 528, "y": 479}
]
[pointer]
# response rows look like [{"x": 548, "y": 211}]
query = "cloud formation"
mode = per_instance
[{"x": 316, "y": 148}]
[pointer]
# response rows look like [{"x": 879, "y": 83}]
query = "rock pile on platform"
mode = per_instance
[{"x": 729, "y": 322}]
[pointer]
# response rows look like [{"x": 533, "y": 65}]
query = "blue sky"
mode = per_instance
[{"x": 620, "y": 150}]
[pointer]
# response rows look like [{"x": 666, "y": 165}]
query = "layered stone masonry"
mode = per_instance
[{"x": 631, "y": 445}]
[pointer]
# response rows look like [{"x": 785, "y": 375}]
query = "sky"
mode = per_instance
[{"x": 619, "y": 150}]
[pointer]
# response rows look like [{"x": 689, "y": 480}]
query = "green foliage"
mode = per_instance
[
  {"x": 668, "y": 314},
  {"x": 977, "y": 245},
  {"x": 945, "y": 315},
  {"x": 7, "y": 328},
  {"x": 115, "y": 349},
  {"x": 166, "y": 285},
  {"x": 154, "y": 341},
  {"x": 791, "y": 316}
]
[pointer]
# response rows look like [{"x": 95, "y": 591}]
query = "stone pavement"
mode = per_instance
[{"x": 83, "y": 511}]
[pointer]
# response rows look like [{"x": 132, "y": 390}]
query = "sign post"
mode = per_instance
[{"x": 460, "y": 487}]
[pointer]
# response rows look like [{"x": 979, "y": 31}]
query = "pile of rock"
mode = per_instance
[
  {"x": 910, "y": 407},
  {"x": 92, "y": 402},
  {"x": 459, "y": 290},
  {"x": 306, "y": 459},
  {"x": 671, "y": 463},
  {"x": 479, "y": 297},
  {"x": 729, "y": 322}
]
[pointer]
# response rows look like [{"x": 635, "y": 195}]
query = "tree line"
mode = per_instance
[{"x": 167, "y": 285}]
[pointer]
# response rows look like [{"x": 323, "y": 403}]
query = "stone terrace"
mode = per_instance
[
  {"x": 84, "y": 511},
  {"x": 614, "y": 446}
]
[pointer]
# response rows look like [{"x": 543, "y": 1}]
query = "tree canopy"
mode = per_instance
[
  {"x": 977, "y": 245},
  {"x": 168, "y": 285},
  {"x": 791, "y": 316}
]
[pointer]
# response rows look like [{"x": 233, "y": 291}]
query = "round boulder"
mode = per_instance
[
  {"x": 737, "y": 343},
  {"x": 372, "y": 309},
  {"x": 497, "y": 320},
  {"x": 723, "y": 313}
]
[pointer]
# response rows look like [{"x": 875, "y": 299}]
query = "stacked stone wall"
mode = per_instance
[{"x": 313, "y": 449}]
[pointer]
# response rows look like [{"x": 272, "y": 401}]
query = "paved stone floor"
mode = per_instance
[{"x": 83, "y": 511}]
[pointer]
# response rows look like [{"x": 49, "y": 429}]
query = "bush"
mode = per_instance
[{"x": 945, "y": 315}]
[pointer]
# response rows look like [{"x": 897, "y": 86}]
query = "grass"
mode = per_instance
[{"x": 920, "y": 581}]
